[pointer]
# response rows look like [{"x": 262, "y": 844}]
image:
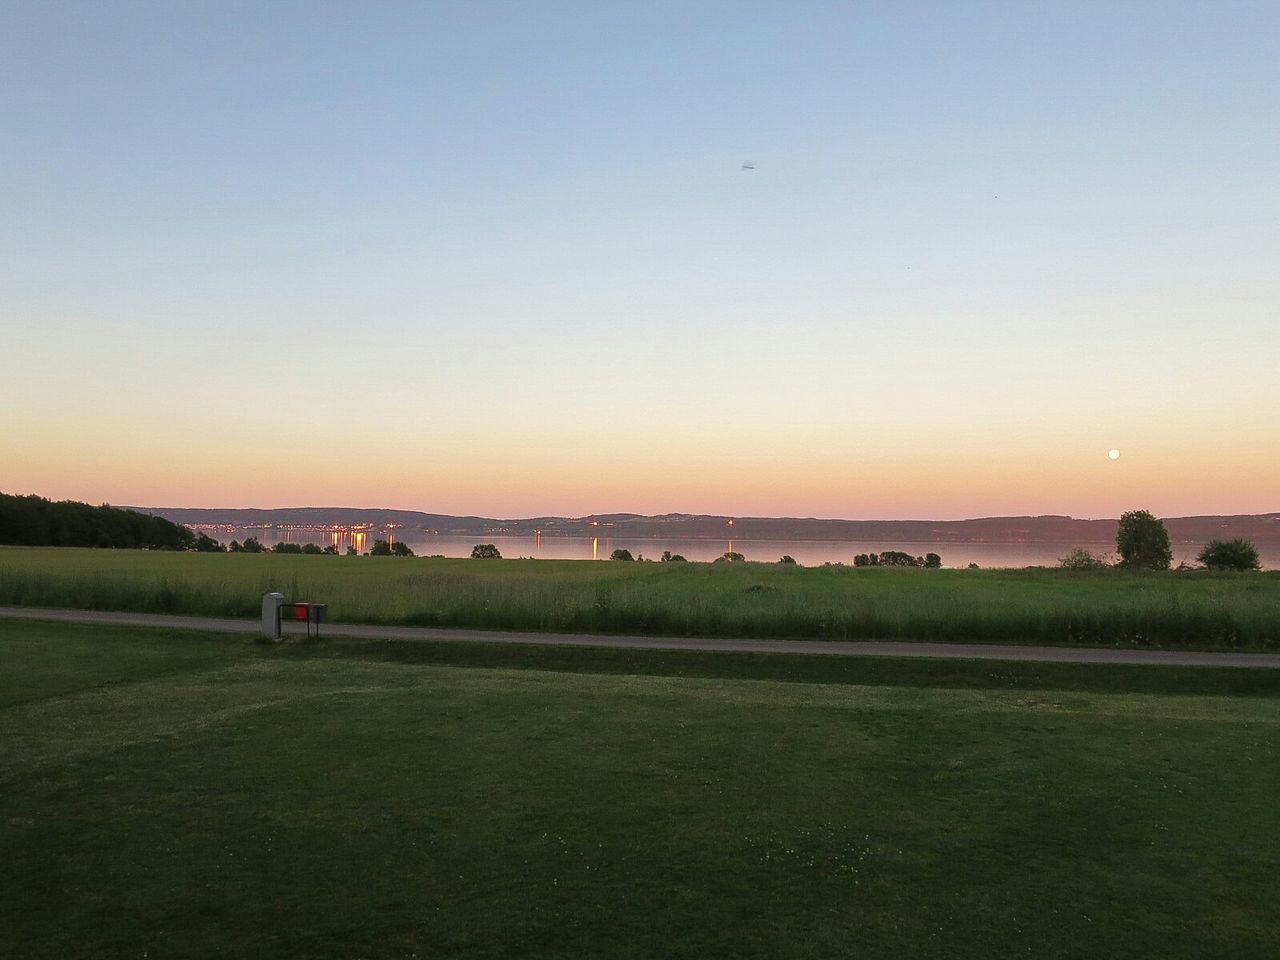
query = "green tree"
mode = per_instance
[
  {"x": 932, "y": 561},
  {"x": 283, "y": 547},
  {"x": 730, "y": 556},
  {"x": 252, "y": 545},
  {"x": 621, "y": 554},
  {"x": 1236, "y": 554},
  {"x": 896, "y": 558},
  {"x": 381, "y": 548},
  {"x": 401, "y": 549},
  {"x": 312, "y": 549},
  {"x": 1143, "y": 542},
  {"x": 485, "y": 551},
  {"x": 787, "y": 558}
]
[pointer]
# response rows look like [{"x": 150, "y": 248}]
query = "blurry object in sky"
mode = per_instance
[
  {"x": 748, "y": 165},
  {"x": 1113, "y": 453}
]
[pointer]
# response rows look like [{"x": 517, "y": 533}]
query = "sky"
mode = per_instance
[{"x": 507, "y": 259}]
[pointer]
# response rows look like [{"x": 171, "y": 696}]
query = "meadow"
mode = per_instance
[
  {"x": 1107, "y": 607},
  {"x": 181, "y": 794}
]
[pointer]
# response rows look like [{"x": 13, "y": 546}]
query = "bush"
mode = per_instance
[
  {"x": 1081, "y": 559},
  {"x": 669, "y": 557},
  {"x": 621, "y": 555},
  {"x": 1143, "y": 542},
  {"x": 932, "y": 561},
  {"x": 402, "y": 550},
  {"x": 1237, "y": 554},
  {"x": 286, "y": 548},
  {"x": 730, "y": 556},
  {"x": 485, "y": 551},
  {"x": 381, "y": 548},
  {"x": 312, "y": 549},
  {"x": 787, "y": 558},
  {"x": 252, "y": 545}
]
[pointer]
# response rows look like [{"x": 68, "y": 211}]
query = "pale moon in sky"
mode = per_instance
[{"x": 1113, "y": 453}]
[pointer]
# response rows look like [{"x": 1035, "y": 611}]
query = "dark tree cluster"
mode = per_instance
[
  {"x": 896, "y": 558},
  {"x": 385, "y": 548},
  {"x": 310, "y": 549},
  {"x": 33, "y": 521}
]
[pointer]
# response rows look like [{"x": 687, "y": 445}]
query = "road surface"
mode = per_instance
[{"x": 837, "y": 648}]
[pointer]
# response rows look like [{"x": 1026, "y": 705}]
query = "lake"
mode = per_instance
[{"x": 807, "y": 552}]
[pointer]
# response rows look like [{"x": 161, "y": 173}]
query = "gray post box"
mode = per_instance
[{"x": 271, "y": 615}]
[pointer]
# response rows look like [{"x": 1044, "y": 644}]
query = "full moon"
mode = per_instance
[{"x": 1113, "y": 453}]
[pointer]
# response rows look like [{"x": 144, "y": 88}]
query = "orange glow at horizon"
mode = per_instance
[{"x": 953, "y": 463}]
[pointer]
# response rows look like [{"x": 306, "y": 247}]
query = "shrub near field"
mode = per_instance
[{"x": 729, "y": 599}]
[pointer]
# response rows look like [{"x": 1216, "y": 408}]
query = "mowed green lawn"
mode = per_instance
[
  {"x": 1109, "y": 607},
  {"x": 185, "y": 795}
]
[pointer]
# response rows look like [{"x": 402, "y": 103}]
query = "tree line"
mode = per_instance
[{"x": 32, "y": 521}]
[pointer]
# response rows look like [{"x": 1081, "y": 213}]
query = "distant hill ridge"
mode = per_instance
[{"x": 1260, "y": 528}]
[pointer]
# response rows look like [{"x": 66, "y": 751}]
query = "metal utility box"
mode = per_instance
[{"x": 271, "y": 603}]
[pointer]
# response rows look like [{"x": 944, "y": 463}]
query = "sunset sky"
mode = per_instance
[{"x": 505, "y": 259}]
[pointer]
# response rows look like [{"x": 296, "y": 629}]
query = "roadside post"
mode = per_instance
[{"x": 271, "y": 603}]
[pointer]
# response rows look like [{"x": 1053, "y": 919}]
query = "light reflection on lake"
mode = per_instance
[{"x": 806, "y": 552}]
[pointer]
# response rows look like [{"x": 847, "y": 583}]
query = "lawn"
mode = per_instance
[
  {"x": 1109, "y": 607},
  {"x": 170, "y": 794}
]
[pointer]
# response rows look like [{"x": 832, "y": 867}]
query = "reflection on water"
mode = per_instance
[{"x": 807, "y": 552}]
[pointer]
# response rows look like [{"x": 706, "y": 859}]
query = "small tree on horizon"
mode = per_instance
[
  {"x": 621, "y": 554},
  {"x": 1143, "y": 541},
  {"x": 485, "y": 551}
]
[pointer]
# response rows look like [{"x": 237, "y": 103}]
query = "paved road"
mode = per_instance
[{"x": 859, "y": 648}]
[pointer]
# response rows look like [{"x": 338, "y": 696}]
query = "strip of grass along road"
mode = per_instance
[
  {"x": 1107, "y": 607},
  {"x": 165, "y": 793}
]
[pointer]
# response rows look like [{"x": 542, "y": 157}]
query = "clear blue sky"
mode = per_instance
[{"x": 513, "y": 258}]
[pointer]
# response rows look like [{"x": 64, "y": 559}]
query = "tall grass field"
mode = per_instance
[
  {"x": 169, "y": 794},
  {"x": 1107, "y": 607}
]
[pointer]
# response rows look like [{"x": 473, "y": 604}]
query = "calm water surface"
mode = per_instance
[{"x": 807, "y": 552}]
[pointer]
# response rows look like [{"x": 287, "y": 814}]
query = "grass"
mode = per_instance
[
  {"x": 1109, "y": 607},
  {"x": 181, "y": 794}
]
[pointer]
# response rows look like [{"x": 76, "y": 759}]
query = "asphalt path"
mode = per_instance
[{"x": 831, "y": 648}]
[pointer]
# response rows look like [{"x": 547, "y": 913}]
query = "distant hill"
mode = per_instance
[{"x": 1260, "y": 528}]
